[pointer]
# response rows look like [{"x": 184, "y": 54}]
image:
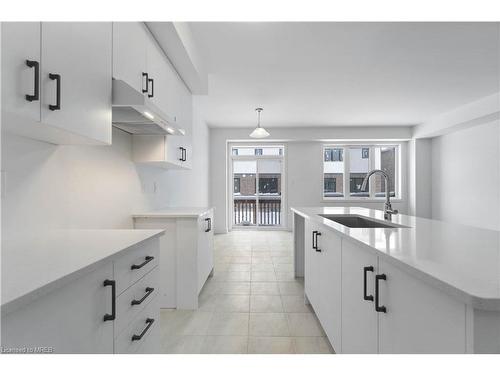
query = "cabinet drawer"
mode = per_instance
[
  {"x": 135, "y": 264},
  {"x": 124, "y": 342},
  {"x": 142, "y": 293}
]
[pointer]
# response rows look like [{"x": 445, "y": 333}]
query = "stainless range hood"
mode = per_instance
[{"x": 134, "y": 113}]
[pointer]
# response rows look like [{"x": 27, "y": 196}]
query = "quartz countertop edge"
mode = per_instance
[
  {"x": 174, "y": 212},
  {"x": 421, "y": 251},
  {"x": 92, "y": 248}
]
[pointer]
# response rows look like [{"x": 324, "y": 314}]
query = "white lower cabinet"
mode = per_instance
[
  {"x": 112, "y": 309},
  {"x": 186, "y": 259},
  {"x": 359, "y": 320},
  {"x": 418, "y": 317},
  {"x": 323, "y": 278},
  {"x": 367, "y": 305},
  {"x": 67, "y": 320}
]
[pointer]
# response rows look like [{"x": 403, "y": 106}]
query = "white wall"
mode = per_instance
[
  {"x": 466, "y": 176},
  {"x": 49, "y": 186},
  {"x": 303, "y": 163}
]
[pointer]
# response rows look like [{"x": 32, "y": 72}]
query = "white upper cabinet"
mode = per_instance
[
  {"x": 129, "y": 53},
  {"x": 79, "y": 55},
  {"x": 21, "y": 69},
  {"x": 70, "y": 102}
]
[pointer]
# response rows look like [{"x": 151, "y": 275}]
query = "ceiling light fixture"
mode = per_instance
[{"x": 258, "y": 131}]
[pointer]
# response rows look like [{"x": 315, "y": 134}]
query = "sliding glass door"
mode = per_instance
[{"x": 257, "y": 175}]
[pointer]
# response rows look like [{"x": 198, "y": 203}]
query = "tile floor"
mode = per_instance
[{"x": 252, "y": 304}]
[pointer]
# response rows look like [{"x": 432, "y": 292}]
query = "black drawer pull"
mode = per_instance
[
  {"x": 139, "y": 301},
  {"x": 111, "y": 283},
  {"x": 147, "y": 259},
  {"x": 57, "y": 78},
  {"x": 379, "y": 308},
  {"x": 366, "y": 297},
  {"x": 152, "y": 88},
  {"x": 36, "y": 86},
  {"x": 315, "y": 240},
  {"x": 149, "y": 323},
  {"x": 182, "y": 153},
  {"x": 209, "y": 224},
  {"x": 145, "y": 78}
]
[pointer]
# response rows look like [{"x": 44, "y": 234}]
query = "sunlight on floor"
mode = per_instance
[{"x": 252, "y": 304}]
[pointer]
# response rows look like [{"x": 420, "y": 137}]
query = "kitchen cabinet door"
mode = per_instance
[
  {"x": 359, "y": 318},
  {"x": 68, "y": 319},
  {"x": 329, "y": 285},
  {"x": 205, "y": 249},
  {"x": 157, "y": 68},
  {"x": 80, "y": 53},
  {"x": 311, "y": 266},
  {"x": 20, "y": 42},
  {"x": 419, "y": 318},
  {"x": 129, "y": 53}
]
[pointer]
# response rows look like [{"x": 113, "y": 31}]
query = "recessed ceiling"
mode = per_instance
[{"x": 339, "y": 74}]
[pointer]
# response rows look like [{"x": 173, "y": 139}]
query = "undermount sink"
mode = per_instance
[{"x": 356, "y": 221}]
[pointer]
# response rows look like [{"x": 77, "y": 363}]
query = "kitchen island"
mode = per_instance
[{"x": 411, "y": 285}]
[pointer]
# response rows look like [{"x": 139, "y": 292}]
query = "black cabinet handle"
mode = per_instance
[
  {"x": 149, "y": 323},
  {"x": 379, "y": 308},
  {"x": 152, "y": 88},
  {"x": 365, "y": 271},
  {"x": 313, "y": 237},
  {"x": 182, "y": 153},
  {"x": 139, "y": 301},
  {"x": 111, "y": 283},
  {"x": 36, "y": 91},
  {"x": 57, "y": 78},
  {"x": 145, "y": 77},
  {"x": 316, "y": 247},
  {"x": 209, "y": 222},
  {"x": 147, "y": 259}
]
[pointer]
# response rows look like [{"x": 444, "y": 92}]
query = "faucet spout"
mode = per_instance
[{"x": 388, "y": 211}]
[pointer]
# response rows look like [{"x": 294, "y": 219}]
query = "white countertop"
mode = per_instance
[
  {"x": 461, "y": 260},
  {"x": 34, "y": 264},
  {"x": 174, "y": 212}
]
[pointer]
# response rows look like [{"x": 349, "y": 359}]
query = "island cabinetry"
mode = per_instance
[{"x": 323, "y": 278}]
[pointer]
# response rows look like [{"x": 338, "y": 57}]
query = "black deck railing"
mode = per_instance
[{"x": 246, "y": 213}]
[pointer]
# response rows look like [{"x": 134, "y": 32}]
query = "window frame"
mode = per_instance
[{"x": 399, "y": 172}]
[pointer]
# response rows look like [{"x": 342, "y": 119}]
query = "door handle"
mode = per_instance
[
  {"x": 111, "y": 283},
  {"x": 147, "y": 259},
  {"x": 57, "y": 78},
  {"x": 379, "y": 308},
  {"x": 145, "y": 78},
  {"x": 149, "y": 323},
  {"x": 36, "y": 86},
  {"x": 209, "y": 222},
  {"x": 152, "y": 88},
  {"x": 139, "y": 301},
  {"x": 365, "y": 271}
]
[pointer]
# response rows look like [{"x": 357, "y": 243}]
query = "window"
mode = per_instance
[
  {"x": 258, "y": 151},
  {"x": 333, "y": 154},
  {"x": 268, "y": 185},
  {"x": 345, "y": 168},
  {"x": 236, "y": 185}
]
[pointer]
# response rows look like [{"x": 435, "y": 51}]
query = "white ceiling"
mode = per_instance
[{"x": 337, "y": 74}]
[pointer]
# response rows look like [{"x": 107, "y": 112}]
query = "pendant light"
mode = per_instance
[{"x": 258, "y": 131}]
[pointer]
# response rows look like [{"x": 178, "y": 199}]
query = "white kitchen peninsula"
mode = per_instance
[
  {"x": 186, "y": 252},
  {"x": 424, "y": 286}
]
